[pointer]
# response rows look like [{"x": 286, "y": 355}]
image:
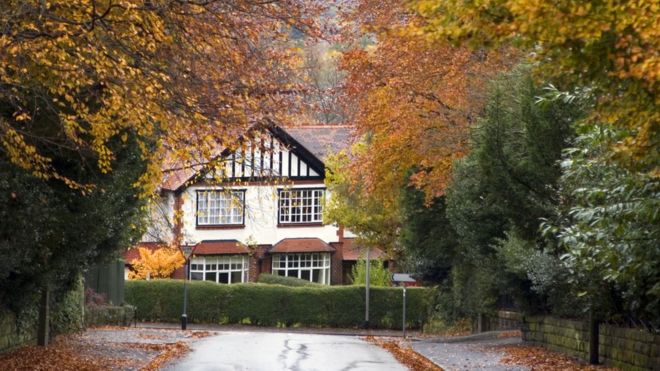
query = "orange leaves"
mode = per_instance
[
  {"x": 404, "y": 353},
  {"x": 158, "y": 263},
  {"x": 540, "y": 359},
  {"x": 414, "y": 100}
]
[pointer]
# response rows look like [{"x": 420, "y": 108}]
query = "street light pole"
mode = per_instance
[
  {"x": 366, "y": 289},
  {"x": 186, "y": 251},
  {"x": 184, "y": 316}
]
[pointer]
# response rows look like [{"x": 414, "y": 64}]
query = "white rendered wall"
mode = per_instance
[
  {"x": 260, "y": 218},
  {"x": 160, "y": 220}
]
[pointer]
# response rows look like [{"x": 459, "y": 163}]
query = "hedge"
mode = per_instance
[
  {"x": 286, "y": 281},
  {"x": 275, "y": 305}
]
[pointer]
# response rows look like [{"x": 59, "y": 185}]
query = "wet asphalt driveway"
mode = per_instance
[{"x": 284, "y": 351}]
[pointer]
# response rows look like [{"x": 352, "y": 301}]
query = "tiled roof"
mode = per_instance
[
  {"x": 353, "y": 252},
  {"x": 218, "y": 247},
  {"x": 322, "y": 140},
  {"x": 134, "y": 252},
  {"x": 301, "y": 245}
]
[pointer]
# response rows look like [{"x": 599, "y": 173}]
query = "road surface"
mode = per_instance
[{"x": 285, "y": 351}]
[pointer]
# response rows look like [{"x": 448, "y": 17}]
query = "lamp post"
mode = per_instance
[
  {"x": 186, "y": 250},
  {"x": 366, "y": 289}
]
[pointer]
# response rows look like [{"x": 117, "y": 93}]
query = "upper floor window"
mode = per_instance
[
  {"x": 302, "y": 205},
  {"x": 220, "y": 207}
]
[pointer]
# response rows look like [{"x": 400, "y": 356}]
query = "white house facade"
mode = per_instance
[{"x": 258, "y": 209}]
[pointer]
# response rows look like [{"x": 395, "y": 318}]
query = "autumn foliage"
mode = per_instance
[
  {"x": 609, "y": 47},
  {"x": 184, "y": 74},
  {"x": 413, "y": 99},
  {"x": 157, "y": 263}
]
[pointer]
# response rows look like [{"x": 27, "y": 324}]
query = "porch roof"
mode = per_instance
[
  {"x": 353, "y": 251},
  {"x": 220, "y": 247},
  {"x": 292, "y": 245}
]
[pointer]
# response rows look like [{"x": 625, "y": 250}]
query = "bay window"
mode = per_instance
[
  {"x": 220, "y": 269},
  {"x": 313, "y": 267}
]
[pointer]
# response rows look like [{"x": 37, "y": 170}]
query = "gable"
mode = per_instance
[
  {"x": 267, "y": 151},
  {"x": 271, "y": 154}
]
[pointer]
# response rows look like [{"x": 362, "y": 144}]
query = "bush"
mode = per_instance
[
  {"x": 285, "y": 281},
  {"x": 378, "y": 274},
  {"x": 276, "y": 305}
]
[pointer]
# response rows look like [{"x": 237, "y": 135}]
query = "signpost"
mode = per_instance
[
  {"x": 401, "y": 279},
  {"x": 186, "y": 250}
]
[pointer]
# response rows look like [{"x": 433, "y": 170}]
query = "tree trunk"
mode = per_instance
[{"x": 44, "y": 313}]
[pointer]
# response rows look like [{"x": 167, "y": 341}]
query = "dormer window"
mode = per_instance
[
  {"x": 220, "y": 207},
  {"x": 301, "y": 206}
]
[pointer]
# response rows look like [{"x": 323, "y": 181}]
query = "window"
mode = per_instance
[
  {"x": 220, "y": 207},
  {"x": 313, "y": 267},
  {"x": 301, "y": 206},
  {"x": 221, "y": 269}
]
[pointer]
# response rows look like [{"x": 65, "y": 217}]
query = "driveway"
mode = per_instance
[{"x": 284, "y": 351}]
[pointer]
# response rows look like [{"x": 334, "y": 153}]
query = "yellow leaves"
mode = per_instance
[
  {"x": 611, "y": 47},
  {"x": 157, "y": 263},
  {"x": 179, "y": 70}
]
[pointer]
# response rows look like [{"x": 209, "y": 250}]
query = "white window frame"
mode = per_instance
[
  {"x": 229, "y": 204},
  {"x": 294, "y": 264},
  {"x": 300, "y": 205},
  {"x": 219, "y": 264}
]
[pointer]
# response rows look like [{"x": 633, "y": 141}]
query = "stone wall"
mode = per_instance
[
  {"x": 65, "y": 316},
  {"x": 101, "y": 315},
  {"x": 625, "y": 348}
]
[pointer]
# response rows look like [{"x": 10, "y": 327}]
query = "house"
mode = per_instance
[{"x": 257, "y": 209}]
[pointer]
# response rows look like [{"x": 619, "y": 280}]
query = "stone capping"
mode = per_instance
[{"x": 625, "y": 348}]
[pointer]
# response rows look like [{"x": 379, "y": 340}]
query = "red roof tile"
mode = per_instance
[
  {"x": 354, "y": 252},
  {"x": 322, "y": 140},
  {"x": 301, "y": 245},
  {"x": 217, "y": 247}
]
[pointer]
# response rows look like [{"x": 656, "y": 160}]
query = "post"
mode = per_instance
[
  {"x": 593, "y": 338},
  {"x": 43, "y": 329},
  {"x": 366, "y": 290},
  {"x": 404, "y": 311},
  {"x": 184, "y": 316}
]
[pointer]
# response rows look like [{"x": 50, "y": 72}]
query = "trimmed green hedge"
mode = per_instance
[
  {"x": 286, "y": 281},
  {"x": 276, "y": 305}
]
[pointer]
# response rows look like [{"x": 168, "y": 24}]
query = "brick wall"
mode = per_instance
[{"x": 625, "y": 348}]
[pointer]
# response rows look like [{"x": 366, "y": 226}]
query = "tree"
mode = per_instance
[
  {"x": 505, "y": 186},
  {"x": 428, "y": 240},
  {"x": 184, "y": 75},
  {"x": 607, "y": 225},
  {"x": 609, "y": 47},
  {"x": 50, "y": 233},
  {"x": 413, "y": 99},
  {"x": 374, "y": 220},
  {"x": 159, "y": 263}
]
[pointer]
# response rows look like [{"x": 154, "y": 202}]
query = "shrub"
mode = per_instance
[
  {"x": 285, "y": 281},
  {"x": 277, "y": 305},
  {"x": 379, "y": 275}
]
